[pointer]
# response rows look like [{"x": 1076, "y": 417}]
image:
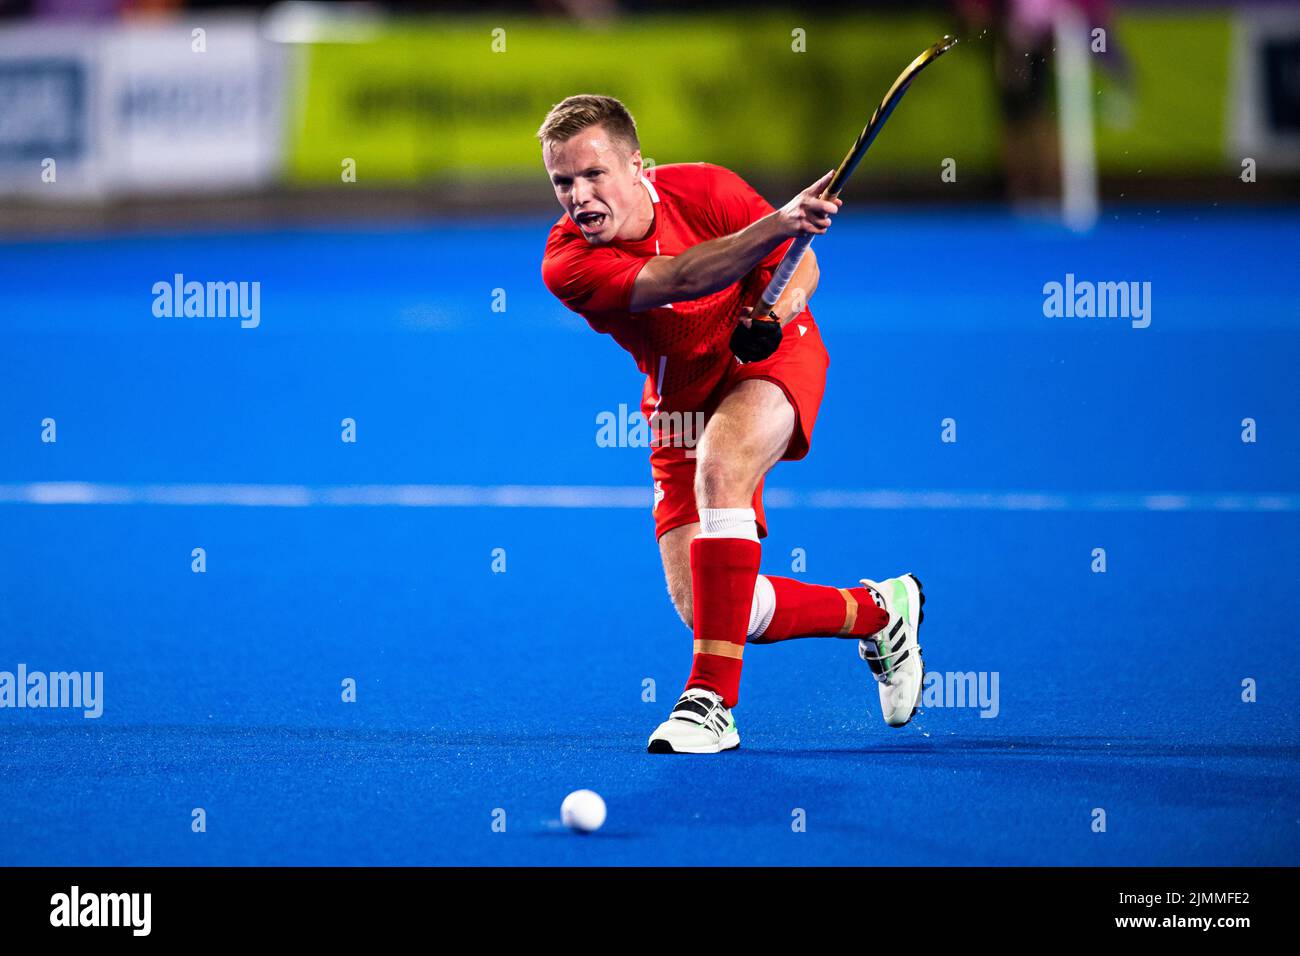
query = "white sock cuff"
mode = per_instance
[
  {"x": 728, "y": 523},
  {"x": 764, "y": 606}
]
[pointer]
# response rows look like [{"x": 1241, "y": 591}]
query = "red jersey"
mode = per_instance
[{"x": 682, "y": 345}]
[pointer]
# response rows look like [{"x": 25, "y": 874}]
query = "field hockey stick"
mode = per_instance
[{"x": 790, "y": 261}]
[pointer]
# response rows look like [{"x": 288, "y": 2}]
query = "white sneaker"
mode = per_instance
[
  {"x": 699, "y": 724},
  {"x": 893, "y": 653}
]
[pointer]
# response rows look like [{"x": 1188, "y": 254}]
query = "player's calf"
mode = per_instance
[{"x": 784, "y": 608}]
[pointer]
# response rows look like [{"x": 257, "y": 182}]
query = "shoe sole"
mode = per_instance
[{"x": 662, "y": 746}]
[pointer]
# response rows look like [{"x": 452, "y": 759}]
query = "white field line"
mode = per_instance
[{"x": 618, "y": 496}]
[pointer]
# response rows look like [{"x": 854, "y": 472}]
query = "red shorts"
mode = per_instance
[{"x": 798, "y": 367}]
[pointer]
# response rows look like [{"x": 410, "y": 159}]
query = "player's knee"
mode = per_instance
[{"x": 723, "y": 483}]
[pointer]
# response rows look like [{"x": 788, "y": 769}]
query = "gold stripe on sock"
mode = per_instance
[
  {"x": 850, "y": 613},
  {"x": 720, "y": 649}
]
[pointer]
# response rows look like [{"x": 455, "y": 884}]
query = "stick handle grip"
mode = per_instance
[{"x": 784, "y": 271}]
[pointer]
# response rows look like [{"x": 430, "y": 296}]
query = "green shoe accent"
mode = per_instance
[{"x": 898, "y": 599}]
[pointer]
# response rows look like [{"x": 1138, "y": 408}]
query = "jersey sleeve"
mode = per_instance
[
  {"x": 591, "y": 279},
  {"x": 737, "y": 204}
]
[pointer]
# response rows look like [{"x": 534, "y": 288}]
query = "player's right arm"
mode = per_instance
[{"x": 717, "y": 263}]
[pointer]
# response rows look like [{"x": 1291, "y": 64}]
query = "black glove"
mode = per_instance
[{"x": 757, "y": 341}]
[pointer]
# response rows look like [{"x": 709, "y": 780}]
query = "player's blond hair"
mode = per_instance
[{"x": 570, "y": 117}]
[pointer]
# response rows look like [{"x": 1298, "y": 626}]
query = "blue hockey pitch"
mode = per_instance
[{"x": 485, "y": 694}]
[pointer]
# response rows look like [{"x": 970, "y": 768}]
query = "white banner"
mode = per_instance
[
  {"x": 191, "y": 105},
  {"x": 1266, "y": 87},
  {"x": 48, "y": 141}
]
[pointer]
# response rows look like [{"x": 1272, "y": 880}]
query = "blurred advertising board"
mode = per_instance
[
  {"x": 188, "y": 111},
  {"x": 1266, "y": 87},
  {"x": 140, "y": 108},
  {"x": 462, "y": 99},
  {"x": 153, "y": 107},
  {"x": 48, "y": 140}
]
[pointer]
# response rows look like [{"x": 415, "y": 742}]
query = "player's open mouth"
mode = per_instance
[{"x": 591, "y": 221}]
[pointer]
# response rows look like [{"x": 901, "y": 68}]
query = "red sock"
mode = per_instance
[
  {"x": 813, "y": 610},
  {"x": 722, "y": 581}
]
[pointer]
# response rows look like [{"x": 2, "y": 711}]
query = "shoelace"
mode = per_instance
[
  {"x": 884, "y": 665},
  {"x": 882, "y": 672},
  {"x": 705, "y": 711}
]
